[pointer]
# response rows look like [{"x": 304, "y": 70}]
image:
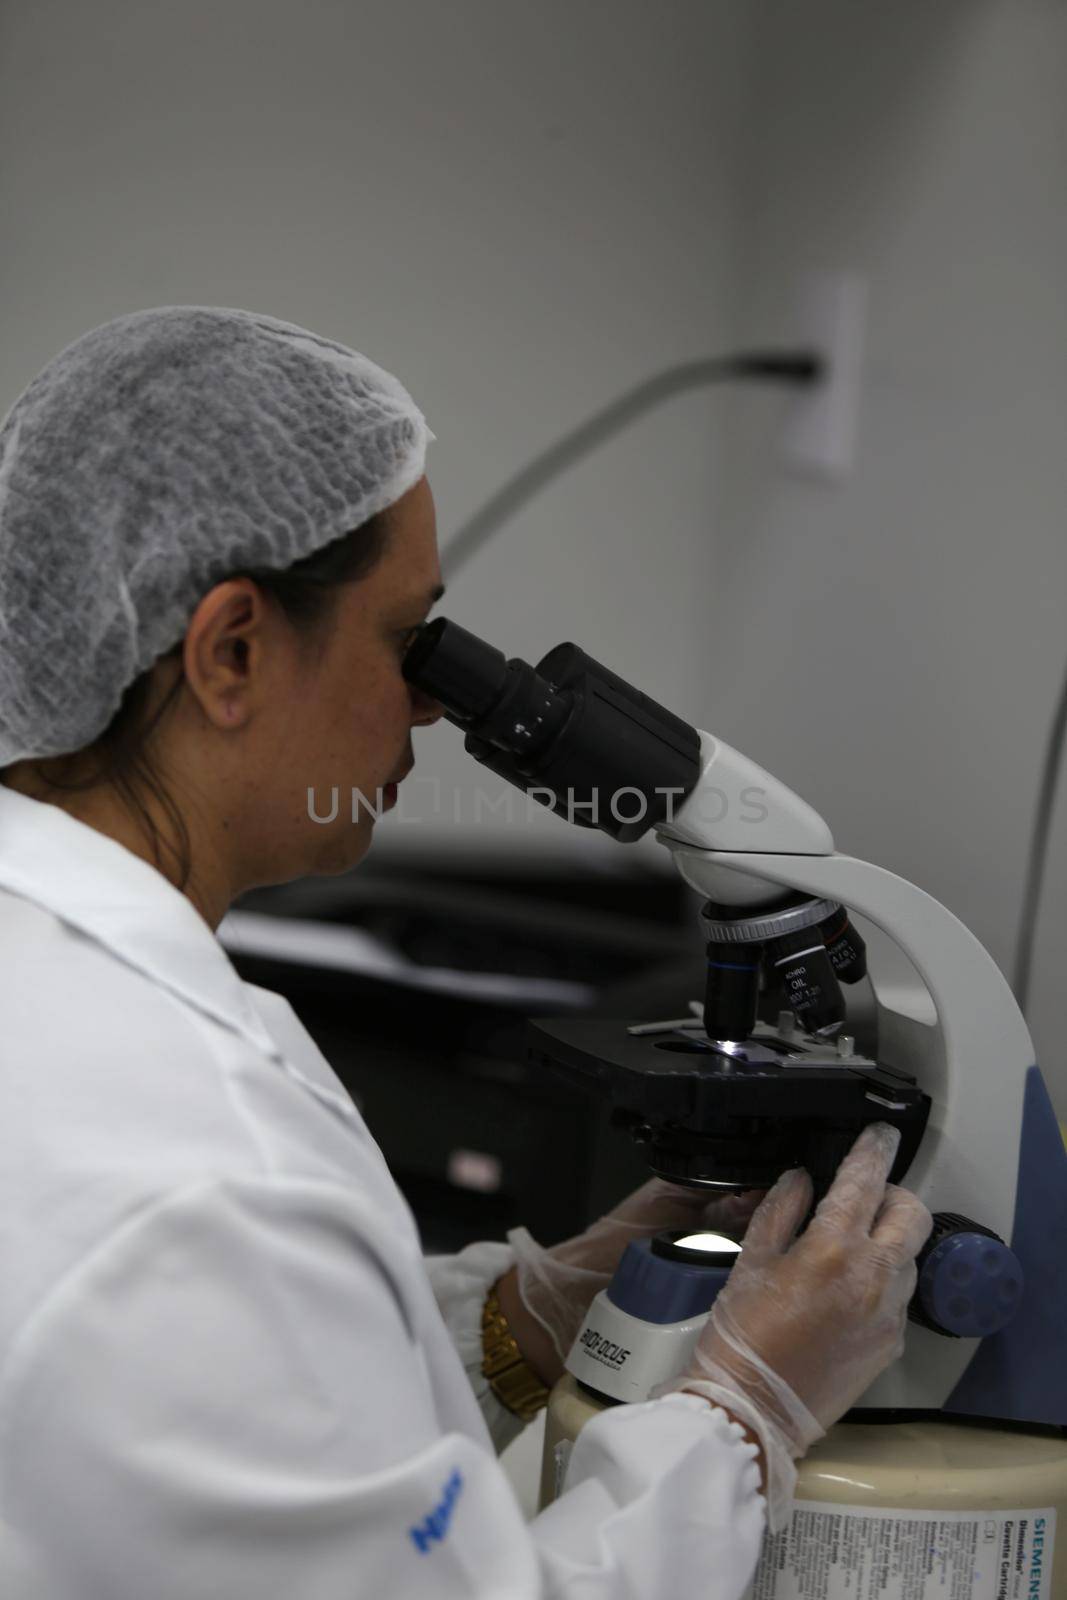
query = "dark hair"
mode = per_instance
[{"x": 306, "y": 592}]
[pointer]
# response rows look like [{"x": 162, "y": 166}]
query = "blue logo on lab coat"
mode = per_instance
[{"x": 432, "y": 1529}]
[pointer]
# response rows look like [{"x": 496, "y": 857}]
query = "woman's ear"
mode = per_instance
[{"x": 223, "y": 655}]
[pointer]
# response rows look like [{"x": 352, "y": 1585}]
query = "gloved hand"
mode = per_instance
[
  {"x": 805, "y": 1325},
  {"x": 558, "y": 1285}
]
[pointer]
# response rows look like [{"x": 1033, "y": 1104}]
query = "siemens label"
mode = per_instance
[
  {"x": 1037, "y": 1554},
  {"x": 843, "y": 1552}
]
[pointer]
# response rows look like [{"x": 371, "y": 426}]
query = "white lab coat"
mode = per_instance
[{"x": 223, "y": 1369}]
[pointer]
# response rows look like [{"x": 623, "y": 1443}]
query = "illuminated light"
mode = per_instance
[{"x": 716, "y": 1243}]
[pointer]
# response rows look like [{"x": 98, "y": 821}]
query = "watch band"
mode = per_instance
[{"x": 511, "y": 1378}]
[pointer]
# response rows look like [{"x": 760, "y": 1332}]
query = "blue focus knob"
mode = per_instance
[{"x": 970, "y": 1282}]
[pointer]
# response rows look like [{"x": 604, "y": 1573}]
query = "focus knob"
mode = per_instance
[{"x": 970, "y": 1282}]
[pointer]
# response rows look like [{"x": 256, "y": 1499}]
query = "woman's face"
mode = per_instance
[
  {"x": 354, "y": 723},
  {"x": 336, "y": 719}
]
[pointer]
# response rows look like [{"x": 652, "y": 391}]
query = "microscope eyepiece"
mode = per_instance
[
  {"x": 569, "y": 732},
  {"x": 504, "y": 706},
  {"x": 456, "y": 668}
]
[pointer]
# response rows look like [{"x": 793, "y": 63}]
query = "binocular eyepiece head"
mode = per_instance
[{"x": 568, "y": 732}]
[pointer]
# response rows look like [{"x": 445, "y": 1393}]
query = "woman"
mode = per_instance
[{"x": 226, "y": 1369}]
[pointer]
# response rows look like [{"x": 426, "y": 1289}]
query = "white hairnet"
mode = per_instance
[{"x": 153, "y": 457}]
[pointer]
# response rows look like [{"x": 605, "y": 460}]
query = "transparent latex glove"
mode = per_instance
[
  {"x": 805, "y": 1325},
  {"x": 557, "y": 1286}
]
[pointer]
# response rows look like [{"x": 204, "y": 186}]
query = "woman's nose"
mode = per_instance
[{"x": 424, "y": 710}]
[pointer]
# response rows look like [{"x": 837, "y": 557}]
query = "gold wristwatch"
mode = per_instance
[{"x": 511, "y": 1377}]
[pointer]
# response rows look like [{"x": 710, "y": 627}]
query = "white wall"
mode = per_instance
[
  {"x": 893, "y": 646},
  {"x": 520, "y": 209}
]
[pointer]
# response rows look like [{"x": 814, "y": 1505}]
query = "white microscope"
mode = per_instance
[{"x": 964, "y": 1434}]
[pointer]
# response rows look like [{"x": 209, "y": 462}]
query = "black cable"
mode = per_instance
[
  {"x": 1035, "y": 869},
  {"x": 795, "y": 368}
]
